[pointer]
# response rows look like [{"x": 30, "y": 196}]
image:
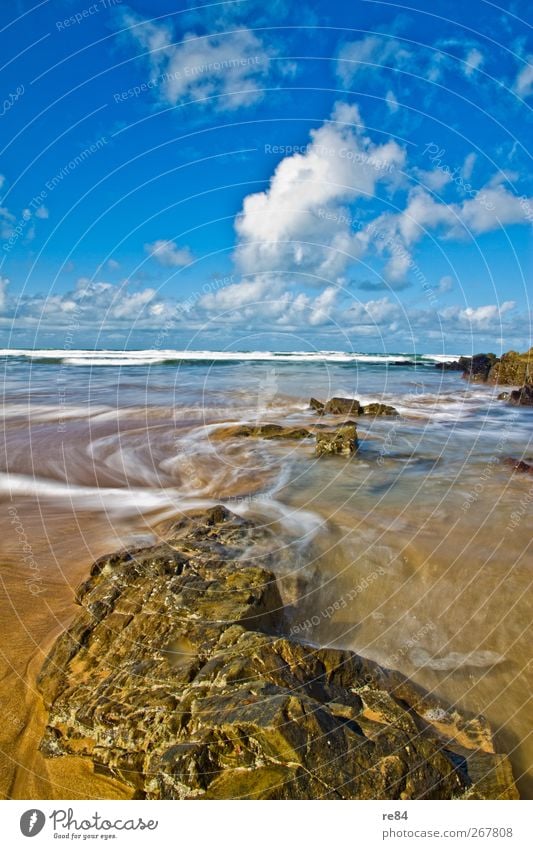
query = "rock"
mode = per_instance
[
  {"x": 342, "y": 440},
  {"x": 519, "y": 465},
  {"x": 379, "y": 410},
  {"x": 504, "y": 396},
  {"x": 513, "y": 369},
  {"x": 343, "y": 406},
  {"x": 316, "y": 405},
  {"x": 477, "y": 368},
  {"x": 523, "y": 396},
  {"x": 176, "y": 678},
  {"x": 263, "y": 431}
]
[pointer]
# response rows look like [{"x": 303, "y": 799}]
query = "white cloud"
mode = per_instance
[
  {"x": 230, "y": 67},
  {"x": 392, "y": 102},
  {"x": 473, "y": 60},
  {"x": 368, "y": 54},
  {"x": 4, "y": 283},
  {"x": 93, "y": 304},
  {"x": 478, "y": 318},
  {"x": 301, "y": 222},
  {"x": 468, "y": 166},
  {"x": 42, "y": 212},
  {"x": 167, "y": 253},
  {"x": 523, "y": 84},
  {"x": 445, "y": 285}
]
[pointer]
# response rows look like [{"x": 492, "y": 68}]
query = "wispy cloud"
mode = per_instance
[{"x": 167, "y": 253}]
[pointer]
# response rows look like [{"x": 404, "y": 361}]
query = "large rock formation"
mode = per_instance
[
  {"x": 176, "y": 678},
  {"x": 512, "y": 369}
]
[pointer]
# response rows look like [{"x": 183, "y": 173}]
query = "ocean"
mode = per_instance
[{"x": 413, "y": 552}]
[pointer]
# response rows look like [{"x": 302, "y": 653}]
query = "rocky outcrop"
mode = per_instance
[
  {"x": 523, "y": 396},
  {"x": 512, "y": 369},
  {"x": 342, "y": 440},
  {"x": 176, "y": 678}
]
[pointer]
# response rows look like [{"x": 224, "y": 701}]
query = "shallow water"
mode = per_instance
[{"x": 414, "y": 552}]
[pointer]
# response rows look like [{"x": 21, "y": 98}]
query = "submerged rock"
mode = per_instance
[
  {"x": 316, "y": 405},
  {"x": 351, "y": 406},
  {"x": 263, "y": 431},
  {"x": 523, "y": 396},
  {"x": 176, "y": 679},
  {"x": 342, "y": 440},
  {"x": 519, "y": 465},
  {"x": 379, "y": 410}
]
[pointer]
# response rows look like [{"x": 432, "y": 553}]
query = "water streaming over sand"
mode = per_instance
[{"x": 414, "y": 552}]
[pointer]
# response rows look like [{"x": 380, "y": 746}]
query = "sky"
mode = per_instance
[{"x": 251, "y": 176}]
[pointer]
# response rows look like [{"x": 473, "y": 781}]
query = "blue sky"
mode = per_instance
[{"x": 322, "y": 175}]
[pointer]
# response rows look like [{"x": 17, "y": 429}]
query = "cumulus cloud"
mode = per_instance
[
  {"x": 301, "y": 222},
  {"x": 42, "y": 212},
  {"x": 230, "y": 67},
  {"x": 167, "y": 253}
]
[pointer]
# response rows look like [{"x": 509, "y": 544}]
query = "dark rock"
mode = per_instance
[
  {"x": 343, "y": 407},
  {"x": 316, "y": 405},
  {"x": 523, "y": 396},
  {"x": 379, "y": 410},
  {"x": 504, "y": 396},
  {"x": 175, "y": 678},
  {"x": 519, "y": 465},
  {"x": 477, "y": 368},
  {"x": 342, "y": 440}
]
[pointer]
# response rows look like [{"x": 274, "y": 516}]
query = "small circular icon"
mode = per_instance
[{"x": 32, "y": 822}]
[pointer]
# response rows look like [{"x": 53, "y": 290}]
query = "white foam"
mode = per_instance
[{"x": 154, "y": 357}]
